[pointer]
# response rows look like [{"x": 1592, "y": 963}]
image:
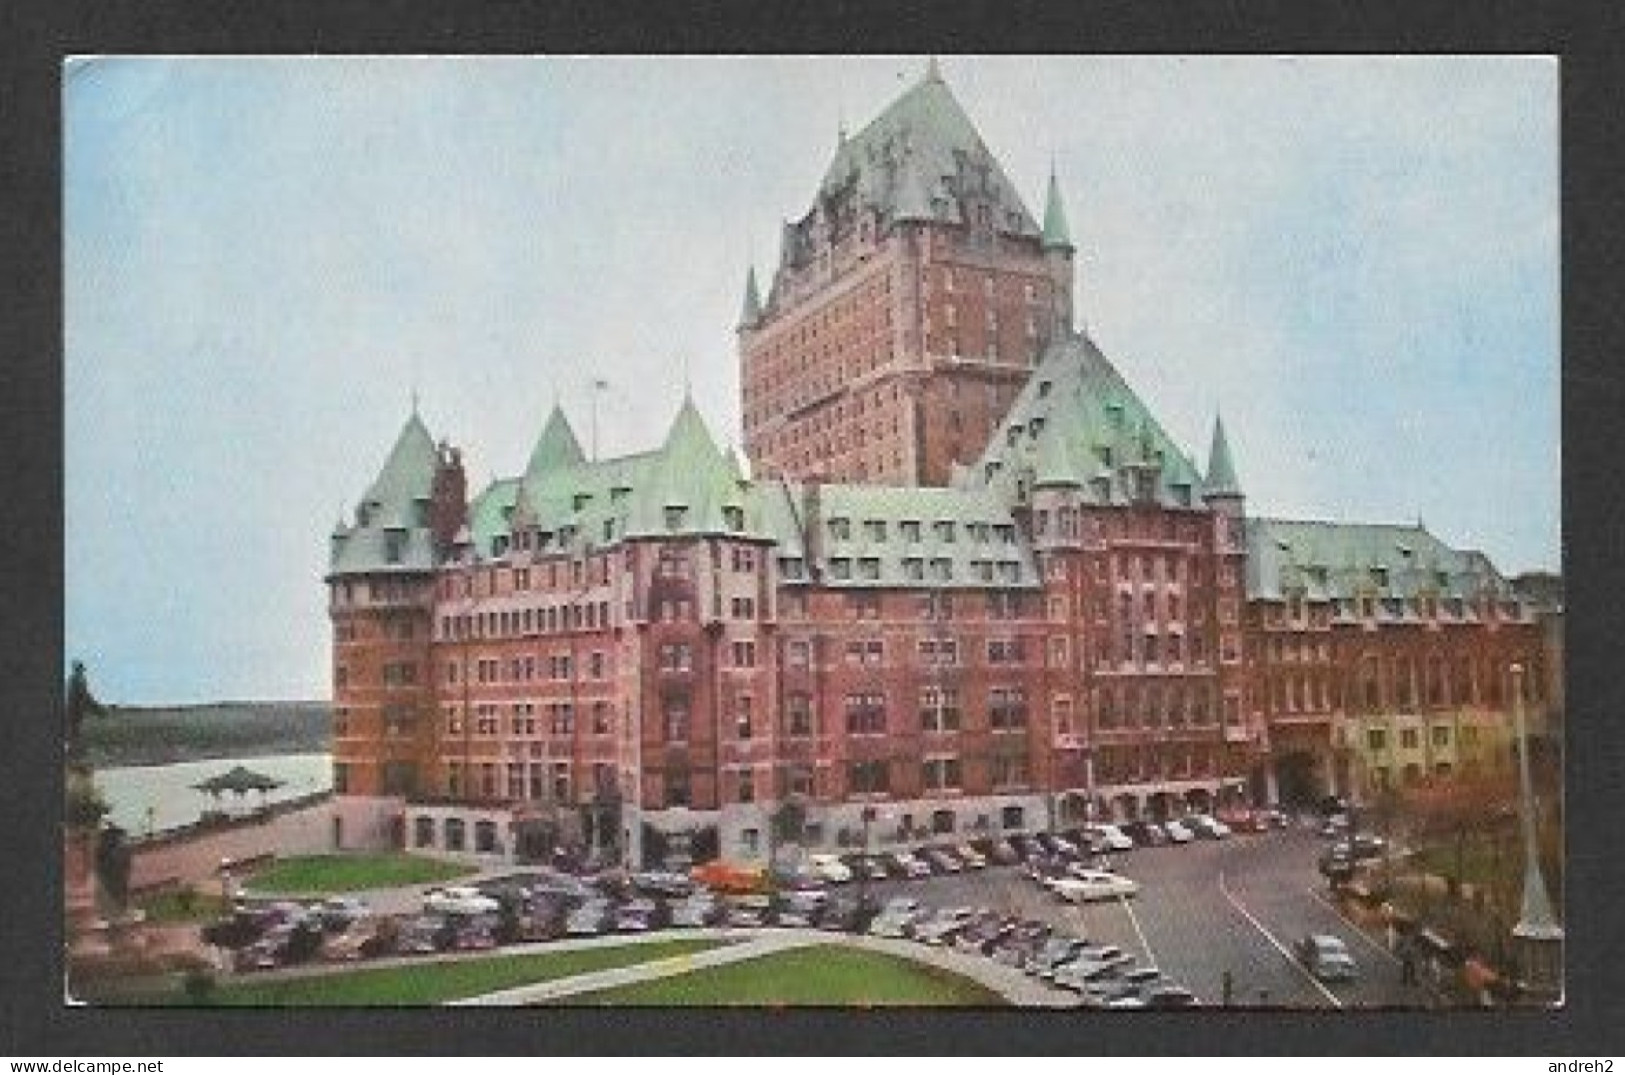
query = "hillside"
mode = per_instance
[{"x": 160, "y": 735}]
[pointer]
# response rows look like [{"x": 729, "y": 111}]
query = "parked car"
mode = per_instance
[
  {"x": 838, "y": 916},
  {"x": 727, "y": 877},
  {"x": 337, "y": 913},
  {"x": 1171, "y": 996},
  {"x": 830, "y": 868},
  {"x": 747, "y": 912},
  {"x": 421, "y": 935},
  {"x": 696, "y": 912},
  {"x": 1003, "y": 853},
  {"x": 1270, "y": 818},
  {"x": 1085, "y": 886},
  {"x": 896, "y": 918},
  {"x": 1083, "y": 975},
  {"x": 940, "y": 928},
  {"x": 1111, "y": 838},
  {"x": 907, "y": 865},
  {"x": 592, "y": 919},
  {"x": 1053, "y": 954},
  {"x": 1362, "y": 846},
  {"x": 972, "y": 858},
  {"x": 1146, "y": 833},
  {"x": 941, "y": 860},
  {"x": 459, "y": 900},
  {"x": 1177, "y": 832},
  {"x": 1326, "y": 957},
  {"x": 869, "y": 867},
  {"x": 1208, "y": 827},
  {"x": 662, "y": 883}
]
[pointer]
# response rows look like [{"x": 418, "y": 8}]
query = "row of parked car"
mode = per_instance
[{"x": 1102, "y": 975}]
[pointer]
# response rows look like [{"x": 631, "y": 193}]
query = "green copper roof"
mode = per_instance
[
  {"x": 1077, "y": 423},
  {"x": 1056, "y": 234},
  {"x": 907, "y": 162},
  {"x": 1343, "y": 561},
  {"x": 390, "y": 531},
  {"x": 751, "y": 311},
  {"x": 1221, "y": 472},
  {"x": 557, "y": 447},
  {"x": 908, "y": 537}
]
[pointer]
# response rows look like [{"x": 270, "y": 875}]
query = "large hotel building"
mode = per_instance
[{"x": 970, "y": 585}]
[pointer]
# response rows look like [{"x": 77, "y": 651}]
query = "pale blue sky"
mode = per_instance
[{"x": 1356, "y": 259}]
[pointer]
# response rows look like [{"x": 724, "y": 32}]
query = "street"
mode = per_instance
[{"x": 1203, "y": 909}]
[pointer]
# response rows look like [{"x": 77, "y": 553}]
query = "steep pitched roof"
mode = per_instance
[
  {"x": 557, "y": 447},
  {"x": 751, "y": 309},
  {"x": 1221, "y": 471},
  {"x": 907, "y": 153},
  {"x": 1077, "y": 423},
  {"x": 1342, "y": 561},
  {"x": 1057, "y": 236},
  {"x": 391, "y": 520}
]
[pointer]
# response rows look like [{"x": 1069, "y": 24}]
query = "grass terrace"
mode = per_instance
[
  {"x": 320, "y": 875},
  {"x": 819, "y": 976},
  {"x": 430, "y": 982}
]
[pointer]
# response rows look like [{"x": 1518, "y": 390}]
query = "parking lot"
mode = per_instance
[{"x": 1205, "y": 908}]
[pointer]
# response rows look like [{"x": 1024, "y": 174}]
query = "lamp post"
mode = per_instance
[{"x": 1537, "y": 933}]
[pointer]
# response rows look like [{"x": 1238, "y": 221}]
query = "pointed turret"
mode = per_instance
[
  {"x": 750, "y": 313},
  {"x": 405, "y": 477},
  {"x": 1057, "y": 236},
  {"x": 392, "y": 518},
  {"x": 1221, "y": 472},
  {"x": 557, "y": 447}
]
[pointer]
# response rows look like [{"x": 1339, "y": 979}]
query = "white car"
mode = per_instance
[
  {"x": 971, "y": 857},
  {"x": 910, "y": 866},
  {"x": 1177, "y": 832},
  {"x": 1085, "y": 886},
  {"x": 1112, "y": 838},
  {"x": 829, "y": 868},
  {"x": 1210, "y": 827},
  {"x": 459, "y": 900}
]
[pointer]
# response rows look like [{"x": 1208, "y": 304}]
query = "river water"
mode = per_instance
[{"x": 152, "y": 798}]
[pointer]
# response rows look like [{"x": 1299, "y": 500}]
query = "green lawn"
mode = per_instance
[
  {"x": 824, "y": 975},
  {"x": 186, "y": 905},
  {"x": 433, "y": 983},
  {"x": 313, "y": 875}
]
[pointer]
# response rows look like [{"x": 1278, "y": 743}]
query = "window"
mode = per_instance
[
  {"x": 676, "y": 720},
  {"x": 675, "y": 517},
  {"x": 675, "y": 657},
  {"x": 796, "y": 654},
  {"x": 1441, "y": 735},
  {"x": 866, "y": 714},
  {"x": 1007, "y": 708},
  {"x": 600, "y": 718},
  {"x": 840, "y": 529},
  {"x": 744, "y": 654},
  {"x": 1408, "y": 738},
  {"x": 1005, "y": 651},
  {"x": 677, "y": 792},
  {"x": 939, "y": 709},
  {"x": 940, "y": 652},
  {"x": 743, "y": 726},
  {"x": 867, "y": 777},
  {"x": 1376, "y": 738},
  {"x": 798, "y": 714},
  {"x": 944, "y": 530},
  {"x": 746, "y": 791},
  {"x": 423, "y": 832},
  {"x": 942, "y": 774}
]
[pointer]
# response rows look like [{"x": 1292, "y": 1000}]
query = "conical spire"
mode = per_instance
[
  {"x": 751, "y": 312},
  {"x": 1221, "y": 472},
  {"x": 408, "y": 472},
  {"x": 557, "y": 447},
  {"x": 1057, "y": 236}
]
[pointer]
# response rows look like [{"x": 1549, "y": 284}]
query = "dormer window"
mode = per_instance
[
  {"x": 992, "y": 468},
  {"x": 734, "y": 518},
  {"x": 911, "y": 530},
  {"x": 914, "y": 569},
  {"x": 1012, "y": 435},
  {"x": 1043, "y": 386},
  {"x": 944, "y": 529},
  {"x": 791, "y": 567},
  {"x": 1182, "y": 494},
  {"x": 675, "y": 517},
  {"x": 869, "y": 569},
  {"x": 875, "y": 529},
  {"x": 1102, "y": 489},
  {"x": 840, "y": 529},
  {"x": 618, "y": 494},
  {"x": 580, "y": 500},
  {"x": 1034, "y": 427},
  {"x": 1104, "y": 451},
  {"x": 840, "y": 568},
  {"x": 394, "y": 546},
  {"x": 499, "y": 546},
  {"x": 1379, "y": 576},
  {"x": 942, "y": 569}
]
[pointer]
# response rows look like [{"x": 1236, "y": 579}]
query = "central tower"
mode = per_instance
[{"x": 909, "y": 304}]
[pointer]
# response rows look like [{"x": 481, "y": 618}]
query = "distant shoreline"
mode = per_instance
[{"x": 163, "y": 735}]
